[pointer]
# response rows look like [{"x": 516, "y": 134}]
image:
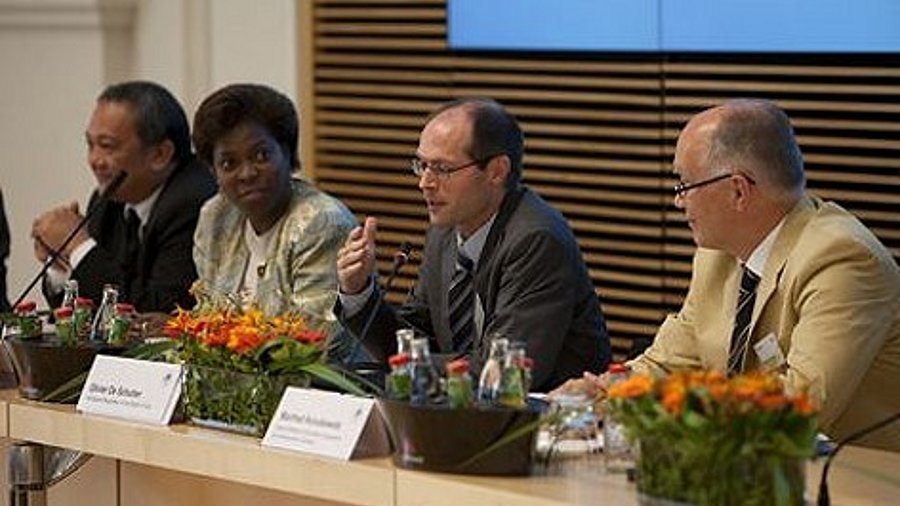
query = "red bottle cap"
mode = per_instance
[
  {"x": 399, "y": 359},
  {"x": 526, "y": 363},
  {"x": 458, "y": 366},
  {"x": 63, "y": 312},
  {"x": 124, "y": 308},
  {"x": 83, "y": 302},
  {"x": 618, "y": 368},
  {"x": 26, "y": 306}
]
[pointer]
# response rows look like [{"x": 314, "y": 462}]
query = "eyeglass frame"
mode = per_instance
[
  {"x": 682, "y": 188},
  {"x": 419, "y": 167}
]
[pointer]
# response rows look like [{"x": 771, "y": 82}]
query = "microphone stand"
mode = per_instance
[
  {"x": 401, "y": 257},
  {"x": 55, "y": 253},
  {"x": 824, "y": 499}
]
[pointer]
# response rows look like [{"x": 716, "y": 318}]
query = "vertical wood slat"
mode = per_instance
[{"x": 600, "y": 131}]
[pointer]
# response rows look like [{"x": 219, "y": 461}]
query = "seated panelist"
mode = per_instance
[
  {"x": 268, "y": 236},
  {"x": 782, "y": 280},
  {"x": 140, "y": 237},
  {"x": 497, "y": 259}
]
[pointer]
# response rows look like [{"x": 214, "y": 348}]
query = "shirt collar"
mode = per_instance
[
  {"x": 472, "y": 246},
  {"x": 757, "y": 260},
  {"x": 145, "y": 207}
]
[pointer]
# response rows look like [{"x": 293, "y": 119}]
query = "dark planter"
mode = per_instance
[
  {"x": 43, "y": 365},
  {"x": 437, "y": 438}
]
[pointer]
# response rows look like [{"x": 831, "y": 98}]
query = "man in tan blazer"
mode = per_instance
[{"x": 826, "y": 313}]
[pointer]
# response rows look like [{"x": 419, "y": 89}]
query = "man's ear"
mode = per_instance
[
  {"x": 162, "y": 155},
  {"x": 743, "y": 191},
  {"x": 498, "y": 169}
]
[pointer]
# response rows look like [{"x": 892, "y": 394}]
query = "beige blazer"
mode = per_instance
[{"x": 830, "y": 294}]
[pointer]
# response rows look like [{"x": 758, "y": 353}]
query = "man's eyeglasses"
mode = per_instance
[
  {"x": 681, "y": 188},
  {"x": 442, "y": 172}
]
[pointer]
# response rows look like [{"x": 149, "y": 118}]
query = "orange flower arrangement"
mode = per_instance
[
  {"x": 704, "y": 438},
  {"x": 240, "y": 331},
  {"x": 239, "y": 361}
]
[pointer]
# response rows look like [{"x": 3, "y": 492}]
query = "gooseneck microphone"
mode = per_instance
[
  {"x": 824, "y": 499},
  {"x": 401, "y": 258},
  {"x": 55, "y": 253}
]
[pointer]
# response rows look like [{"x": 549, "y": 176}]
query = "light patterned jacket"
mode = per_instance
[{"x": 299, "y": 273}]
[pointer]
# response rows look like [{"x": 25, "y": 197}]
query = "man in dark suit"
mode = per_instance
[
  {"x": 493, "y": 234},
  {"x": 141, "y": 237}
]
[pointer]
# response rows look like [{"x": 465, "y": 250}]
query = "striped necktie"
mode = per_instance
[
  {"x": 461, "y": 304},
  {"x": 740, "y": 336}
]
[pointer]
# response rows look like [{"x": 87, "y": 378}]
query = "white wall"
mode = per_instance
[{"x": 56, "y": 56}]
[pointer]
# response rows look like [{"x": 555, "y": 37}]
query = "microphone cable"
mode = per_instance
[
  {"x": 55, "y": 253},
  {"x": 401, "y": 258},
  {"x": 824, "y": 499}
]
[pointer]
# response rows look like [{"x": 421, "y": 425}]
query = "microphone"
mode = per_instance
[
  {"x": 824, "y": 499},
  {"x": 55, "y": 253},
  {"x": 401, "y": 258}
]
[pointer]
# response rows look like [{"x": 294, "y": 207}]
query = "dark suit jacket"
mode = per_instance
[
  {"x": 164, "y": 270},
  {"x": 533, "y": 286}
]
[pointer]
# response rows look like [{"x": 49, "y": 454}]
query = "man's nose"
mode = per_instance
[
  {"x": 94, "y": 159},
  {"x": 427, "y": 180}
]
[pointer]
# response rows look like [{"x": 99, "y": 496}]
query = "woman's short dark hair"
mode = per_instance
[
  {"x": 236, "y": 104},
  {"x": 494, "y": 132},
  {"x": 157, "y": 114}
]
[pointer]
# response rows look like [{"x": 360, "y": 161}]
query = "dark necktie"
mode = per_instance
[
  {"x": 461, "y": 303},
  {"x": 740, "y": 336}
]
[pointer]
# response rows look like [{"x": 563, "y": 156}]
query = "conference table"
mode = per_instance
[{"x": 136, "y": 465}]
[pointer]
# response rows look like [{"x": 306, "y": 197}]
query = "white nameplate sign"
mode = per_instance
[
  {"x": 137, "y": 390},
  {"x": 328, "y": 424}
]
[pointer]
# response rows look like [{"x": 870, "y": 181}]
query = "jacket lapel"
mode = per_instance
[
  {"x": 447, "y": 265},
  {"x": 794, "y": 223}
]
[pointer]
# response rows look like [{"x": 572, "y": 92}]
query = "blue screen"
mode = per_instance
[{"x": 814, "y": 26}]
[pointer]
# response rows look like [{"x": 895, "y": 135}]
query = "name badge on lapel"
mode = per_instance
[{"x": 769, "y": 353}]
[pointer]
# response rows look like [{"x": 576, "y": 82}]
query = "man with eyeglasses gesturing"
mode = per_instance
[
  {"x": 497, "y": 259},
  {"x": 782, "y": 281}
]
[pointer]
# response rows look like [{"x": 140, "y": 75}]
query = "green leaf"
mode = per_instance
[
  {"x": 513, "y": 435},
  {"x": 68, "y": 391},
  {"x": 332, "y": 376}
]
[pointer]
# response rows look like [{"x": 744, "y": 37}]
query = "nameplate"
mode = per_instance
[
  {"x": 328, "y": 424},
  {"x": 137, "y": 390}
]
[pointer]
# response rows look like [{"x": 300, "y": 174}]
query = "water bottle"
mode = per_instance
[
  {"x": 70, "y": 293},
  {"x": 617, "y": 452},
  {"x": 81, "y": 317},
  {"x": 106, "y": 314},
  {"x": 65, "y": 330},
  {"x": 424, "y": 377},
  {"x": 512, "y": 391},
  {"x": 459, "y": 384},
  {"x": 404, "y": 340},
  {"x": 399, "y": 382},
  {"x": 491, "y": 374},
  {"x": 30, "y": 325},
  {"x": 117, "y": 334}
]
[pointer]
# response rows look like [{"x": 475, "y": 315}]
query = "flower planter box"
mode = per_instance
[
  {"x": 438, "y": 438},
  {"x": 43, "y": 365},
  {"x": 233, "y": 400},
  {"x": 699, "y": 478}
]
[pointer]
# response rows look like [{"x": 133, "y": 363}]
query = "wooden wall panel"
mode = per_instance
[{"x": 600, "y": 132}]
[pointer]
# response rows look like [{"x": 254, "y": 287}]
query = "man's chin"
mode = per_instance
[
  {"x": 115, "y": 196},
  {"x": 437, "y": 220}
]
